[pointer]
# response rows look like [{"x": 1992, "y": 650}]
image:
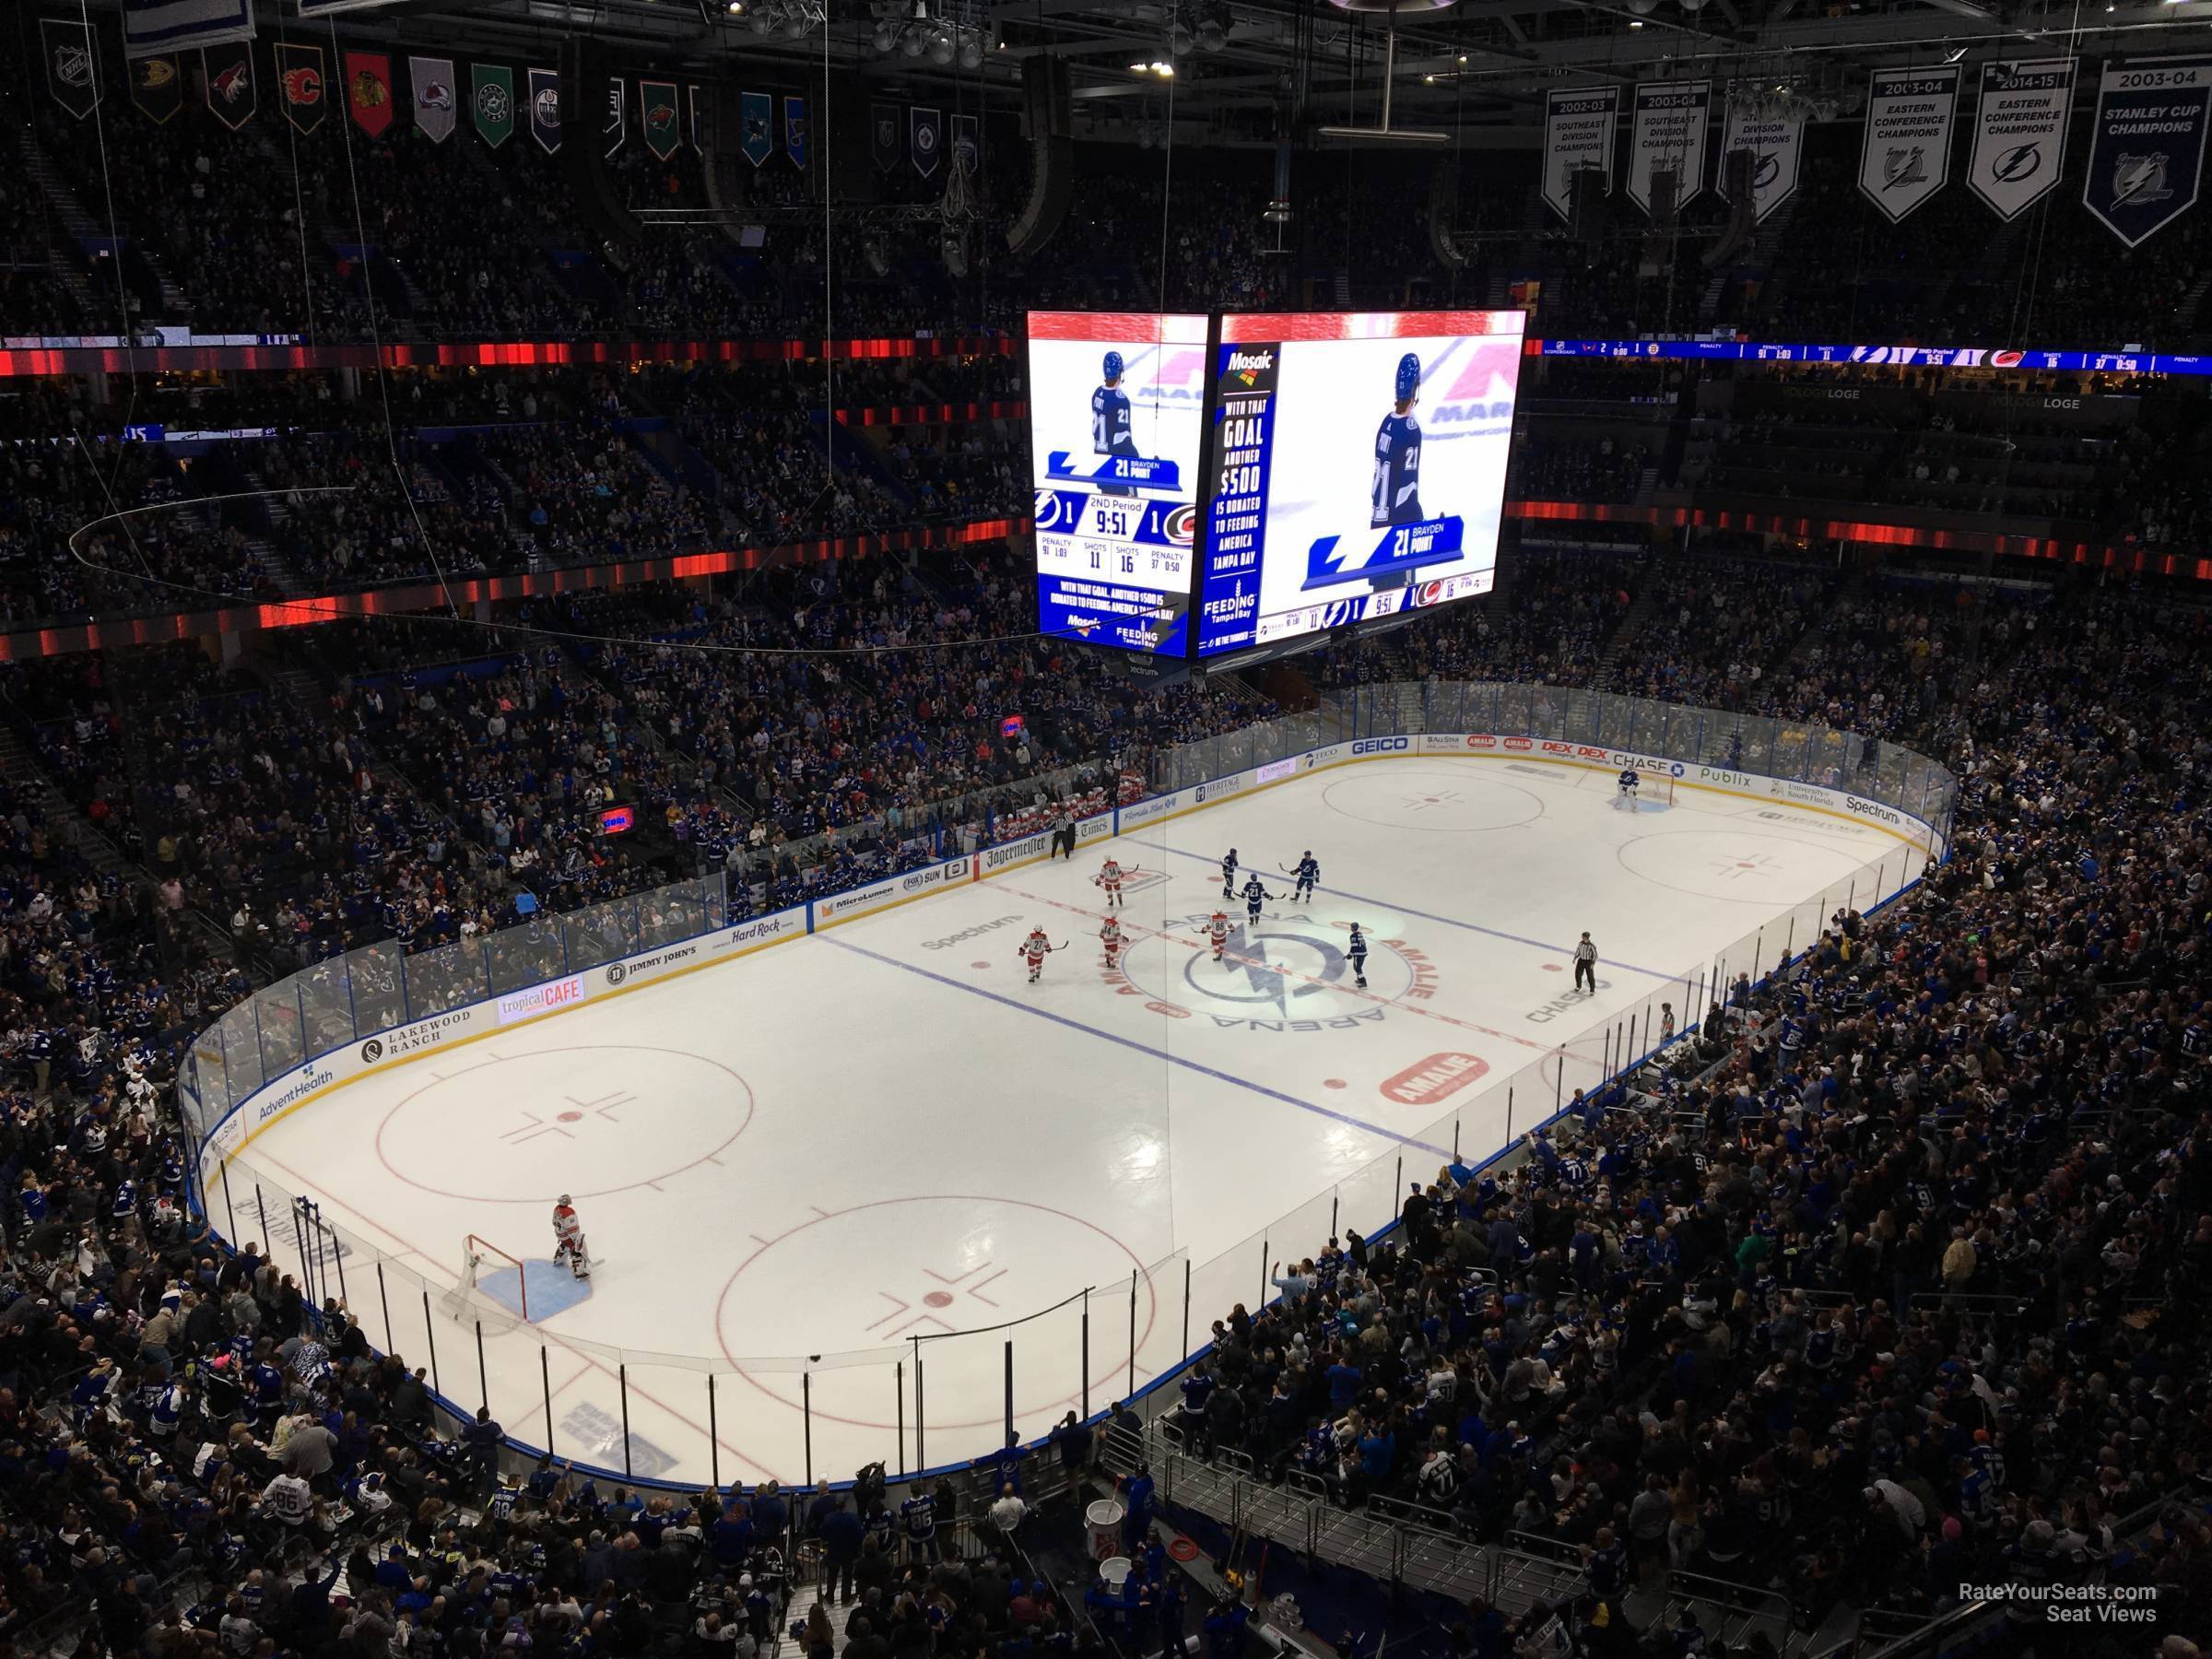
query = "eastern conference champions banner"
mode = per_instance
[
  {"x": 1907, "y": 156},
  {"x": 1578, "y": 135},
  {"x": 1775, "y": 137},
  {"x": 1320, "y": 519},
  {"x": 1669, "y": 135},
  {"x": 2147, "y": 156},
  {"x": 1116, "y": 402},
  {"x": 2020, "y": 133}
]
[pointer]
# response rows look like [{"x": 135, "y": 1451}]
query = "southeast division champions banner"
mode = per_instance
[
  {"x": 1668, "y": 133},
  {"x": 1775, "y": 137},
  {"x": 2020, "y": 133},
  {"x": 1907, "y": 156},
  {"x": 2147, "y": 153},
  {"x": 1578, "y": 136}
]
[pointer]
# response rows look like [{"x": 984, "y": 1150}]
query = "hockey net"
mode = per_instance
[
  {"x": 493, "y": 1290},
  {"x": 1655, "y": 786}
]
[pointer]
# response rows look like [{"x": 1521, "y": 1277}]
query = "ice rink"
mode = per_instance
[{"x": 882, "y": 1133}]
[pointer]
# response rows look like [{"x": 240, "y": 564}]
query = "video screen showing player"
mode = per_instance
[{"x": 1110, "y": 421}]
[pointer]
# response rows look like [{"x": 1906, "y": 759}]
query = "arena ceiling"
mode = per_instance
[{"x": 1244, "y": 69}]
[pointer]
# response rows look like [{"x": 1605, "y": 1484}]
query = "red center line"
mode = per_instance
[{"x": 1312, "y": 979}]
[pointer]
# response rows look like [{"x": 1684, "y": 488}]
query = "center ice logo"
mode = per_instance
[{"x": 1291, "y": 973}]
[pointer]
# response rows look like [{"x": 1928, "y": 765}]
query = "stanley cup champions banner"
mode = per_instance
[
  {"x": 1906, "y": 157},
  {"x": 1578, "y": 135},
  {"x": 2147, "y": 153},
  {"x": 2020, "y": 133},
  {"x": 1775, "y": 137},
  {"x": 1668, "y": 133}
]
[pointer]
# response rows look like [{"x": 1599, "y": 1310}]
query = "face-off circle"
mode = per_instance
[
  {"x": 1402, "y": 797},
  {"x": 537, "y": 1119},
  {"x": 1287, "y": 968}
]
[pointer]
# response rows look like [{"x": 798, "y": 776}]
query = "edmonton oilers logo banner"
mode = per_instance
[
  {"x": 2147, "y": 152},
  {"x": 2020, "y": 133}
]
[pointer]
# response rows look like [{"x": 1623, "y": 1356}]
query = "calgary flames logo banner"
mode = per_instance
[{"x": 299, "y": 72}]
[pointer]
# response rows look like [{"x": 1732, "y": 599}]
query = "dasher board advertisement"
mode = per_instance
[
  {"x": 1358, "y": 467},
  {"x": 1114, "y": 423}
]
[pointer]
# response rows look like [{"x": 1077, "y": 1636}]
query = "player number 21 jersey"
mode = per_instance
[
  {"x": 1110, "y": 432},
  {"x": 1397, "y": 471}
]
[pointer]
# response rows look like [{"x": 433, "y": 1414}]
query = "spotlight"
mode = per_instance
[
  {"x": 887, "y": 37},
  {"x": 795, "y": 25},
  {"x": 1212, "y": 35},
  {"x": 940, "y": 47},
  {"x": 911, "y": 42},
  {"x": 764, "y": 21},
  {"x": 1180, "y": 40},
  {"x": 972, "y": 52}
]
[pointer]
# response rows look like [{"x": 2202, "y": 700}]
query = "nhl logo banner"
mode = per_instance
[
  {"x": 2020, "y": 133},
  {"x": 794, "y": 131},
  {"x": 924, "y": 138},
  {"x": 658, "y": 114},
  {"x": 72, "y": 74},
  {"x": 1668, "y": 133},
  {"x": 157, "y": 85},
  {"x": 2147, "y": 156},
  {"x": 299, "y": 78},
  {"x": 544, "y": 108},
  {"x": 756, "y": 126},
  {"x": 883, "y": 136},
  {"x": 435, "y": 105},
  {"x": 967, "y": 142},
  {"x": 1907, "y": 158},
  {"x": 616, "y": 127},
  {"x": 1578, "y": 136},
  {"x": 1775, "y": 138},
  {"x": 227, "y": 72},
  {"x": 492, "y": 101},
  {"x": 369, "y": 90}
]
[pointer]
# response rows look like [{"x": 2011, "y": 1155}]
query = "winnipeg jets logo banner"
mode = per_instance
[
  {"x": 1668, "y": 135},
  {"x": 435, "y": 106},
  {"x": 1578, "y": 136},
  {"x": 1775, "y": 137},
  {"x": 1907, "y": 158},
  {"x": 925, "y": 141},
  {"x": 2147, "y": 155},
  {"x": 2020, "y": 133}
]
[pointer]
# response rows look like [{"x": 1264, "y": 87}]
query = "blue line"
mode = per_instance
[
  {"x": 1445, "y": 921},
  {"x": 1130, "y": 1043}
]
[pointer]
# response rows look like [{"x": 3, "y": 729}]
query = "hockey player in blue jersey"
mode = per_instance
[
  {"x": 1111, "y": 421},
  {"x": 1356, "y": 952},
  {"x": 1228, "y": 874},
  {"x": 1626, "y": 795},
  {"x": 1308, "y": 873},
  {"x": 1398, "y": 495},
  {"x": 1253, "y": 894}
]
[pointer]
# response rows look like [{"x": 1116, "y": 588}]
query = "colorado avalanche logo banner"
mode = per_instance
[
  {"x": 2020, "y": 133},
  {"x": 1906, "y": 157},
  {"x": 2147, "y": 156},
  {"x": 436, "y": 108}
]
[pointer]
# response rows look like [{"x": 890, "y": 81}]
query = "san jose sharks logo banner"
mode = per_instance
[
  {"x": 883, "y": 136},
  {"x": 2147, "y": 156},
  {"x": 226, "y": 75},
  {"x": 756, "y": 126},
  {"x": 926, "y": 138},
  {"x": 1907, "y": 156},
  {"x": 435, "y": 105},
  {"x": 72, "y": 73},
  {"x": 2020, "y": 133},
  {"x": 794, "y": 131},
  {"x": 1775, "y": 137}
]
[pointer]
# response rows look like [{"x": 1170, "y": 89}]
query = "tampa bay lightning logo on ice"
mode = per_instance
[{"x": 1289, "y": 973}]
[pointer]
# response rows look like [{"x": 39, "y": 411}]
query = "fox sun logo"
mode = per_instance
[{"x": 1289, "y": 973}]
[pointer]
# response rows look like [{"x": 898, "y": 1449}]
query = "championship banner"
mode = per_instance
[
  {"x": 72, "y": 72},
  {"x": 435, "y": 105},
  {"x": 544, "y": 107},
  {"x": 924, "y": 138},
  {"x": 616, "y": 128},
  {"x": 300, "y": 80},
  {"x": 1906, "y": 153},
  {"x": 966, "y": 142},
  {"x": 756, "y": 126},
  {"x": 1669, "y": 130},
  {"x": 492, "y": 101},
  {"x": 168, "y": 27},
  {"x": 2020, "y": 133},
  {"x": 226, "y": 72},
  {"x": 369, "y": 90},
  {"x": 1578, "y": 136},
  {"x": 1775, "y": 139},
  {"x": 660, "y": 116},
  {"x": 157, "y": 86},
  {"x": 794, "y": 131},
  {"x": 2147, "y": 152},
  {"x": 883, "y": 136}
]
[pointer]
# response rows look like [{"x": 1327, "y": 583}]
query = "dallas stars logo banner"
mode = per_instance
[
  {"x": 2147, "y": 156},
  {"x": 1775, "y": 137},
  {"x": 369, "y": 90},
  {"x": 658, "y": 115},
  {"x": 492, "y": 101},
  {"x": 72, "y": 72},
  {"x": 544, "y": 108},
  {"x": 299, "y": 77},
  {"x": 756, "y": 126},
  {"x": 1906, "y": 157},
  {"x": 157, "y": 85},
  {"x": 435, "y": 105},
  {"x": 226, "y": 72},
  {"x": 2020, "y": 133}
]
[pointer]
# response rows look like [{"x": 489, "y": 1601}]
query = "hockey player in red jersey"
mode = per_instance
[
  {"x": 568, "y": 1239},
  {"x": 1110, "y": 935},
  {"x": 1218, "y": 931},
  {"x": 1109, "y": 878},
  {"x": 1034, "y": 951}
]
